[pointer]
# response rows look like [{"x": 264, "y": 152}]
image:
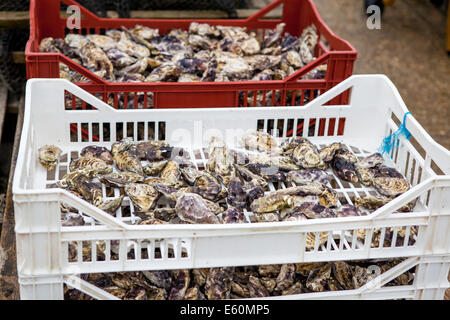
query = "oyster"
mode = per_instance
[
  {"x": 97, "y": 152},
  {"x": 282, "y": 163},
  {"x": 180, "y": 284},
  {"x": 121, "y": 179},
  {"x": 194, "y": 293},
  {"x": 104, "y": 42},
  {"x": 193, "y": 208},
  {"x": 171, "y": 174},
  {"x": 120, "y": 59},
  {"x": 286, "y": 277},
  {"x": 237, "y": 196},
  {"x": 111, "y": 206},
  {"x": 90, "y": 191},
  {"x": 199, "y": 276},
  {"x": 390, "y": 182},
  {"x": 343, "y": 165},
  {"x": 256, "y": 288},
  {"x": 348, "y": 211},
  {"x": 296, "y": 288},
  {"x": 371, "y": 161},
  {"x": 260, "y": 141},
  {"x": 253, "y": 190},
  {"x": 327, "y": 153},
  {"x": 234, "y": 215},
  {"x": 315, "y": 211},
  {"x": 154, "y": 168},
  {"x": 208, "y": 187},
  {"x": 249, "y": 176},
  {"x": 218, "y": 283},
  {"x": 308, "y": 175},
  {"x": 166, "y": 72},
  {"x": 343, "y": 273},
  {"x": 318, "y": 279},
  {"x": 161, "y": 279},
  {"x": 95, "y": 59},
  {"x": 143, "y": 196},
  {"x": 154, "y": 150},
  {"x": 304, "y": 153},
  {"x": 266, "y": 217},
  {"x": 91, "y": 166},
  {"x": 374, "y": 202},
  {"x": 274, "y": 37},
  {"x": 49, "y": 156}
]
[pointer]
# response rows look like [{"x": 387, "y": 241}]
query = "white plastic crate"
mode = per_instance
[{"x": 42, "y": 243}]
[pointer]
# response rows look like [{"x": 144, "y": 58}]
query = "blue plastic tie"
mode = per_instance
[{"x": 393, "y": 139}]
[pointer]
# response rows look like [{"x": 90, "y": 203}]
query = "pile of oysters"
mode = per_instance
[
  {"x": 261, "y": 180},
  {"x": 241, "y": 282},
  {"x": 201, "y": 53}
]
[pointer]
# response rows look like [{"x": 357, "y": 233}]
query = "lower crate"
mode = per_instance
[{"x": 429, "y": 282}]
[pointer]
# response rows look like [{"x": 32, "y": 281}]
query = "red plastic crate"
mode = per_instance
[{"x": 339, "y": 55}]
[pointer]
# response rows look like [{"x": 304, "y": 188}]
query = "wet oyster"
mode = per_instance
[
  {"x": 193, "y": 208},
  {"x": 49, "y": 156},
  {"x": 143, "y": 196},
  {"x": 208, "y": 187},
  {"x": 97, "y": 152},
  {"x": 253, "y": 190}
]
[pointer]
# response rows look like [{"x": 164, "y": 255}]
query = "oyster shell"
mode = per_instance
[
  {"x": 154, "y": 168},
  {"x": 389, "y": 182},
  {"x": 97, "y": 152},
  {"x": 317, "y": 280},
  {"x": 256, "y": 288},
  {"x": 374, "y": 202},
  {"x": 260, "y": 141},
  {"x": 286, "y": 277},
  {"x": 343, "y": 273},
  {"x": 49, "y": 156},
  {"x": 218, "y": 283},
  {"x": 343, "y": 165},
  {"x": 308, "y": 175},
  {"x": 121, "y": 179},
  {"x": 327, "y": 153},
  {"x": 234, "y": 215},
  {"x": 180, "y": 284},
  {"x": 91, "y": 166},
  {"x": 143, "y": 196},
  {"x": 193, "y": 208},
  {"x": 111, "y": 206}
]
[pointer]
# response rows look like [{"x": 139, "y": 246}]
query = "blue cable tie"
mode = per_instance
[{"x": 393, "y": 139}]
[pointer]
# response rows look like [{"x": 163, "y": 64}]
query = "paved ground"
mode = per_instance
[{"x": 409, "y": 48}]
